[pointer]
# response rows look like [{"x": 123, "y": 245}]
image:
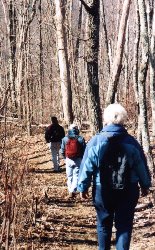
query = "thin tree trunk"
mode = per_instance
[
  {"x": 27, "y": 88},
  {"x": 106, "y": 38},
  {"x": 126, "y": 75},
  {"x": 41, "y": 62},
  {"x": 135, "y": 74},
  {"x": 12, "y": 43},
  {"x": 117, "y": 64},
  {"x": 152, "y": 73}
]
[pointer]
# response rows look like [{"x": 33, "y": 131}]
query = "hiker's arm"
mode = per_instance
[
  {"x": 142, "y": 172},
  {"x": 142, "y": 155},
  {"x": 62, "y": 149},
  {"x": 86, "y": 170}
]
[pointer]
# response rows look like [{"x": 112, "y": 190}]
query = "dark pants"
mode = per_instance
[{"x": 118, "y": 207}]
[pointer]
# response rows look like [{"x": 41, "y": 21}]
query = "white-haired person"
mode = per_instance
[
  {"x": 72, "y": 149},
  {"x": 116, "y": 163}
]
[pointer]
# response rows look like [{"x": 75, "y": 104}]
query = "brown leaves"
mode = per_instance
[{"x": 46, "y": 219}]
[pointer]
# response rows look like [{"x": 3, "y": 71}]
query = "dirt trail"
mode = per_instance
[{"x": 64, "y": 224}]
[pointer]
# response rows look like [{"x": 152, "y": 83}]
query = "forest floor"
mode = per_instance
[{"x": 49, "y": 220}]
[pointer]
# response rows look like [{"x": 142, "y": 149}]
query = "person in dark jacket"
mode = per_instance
[
  {"x": 53, "y": 135},
  {"x": 73, "y": 159},
  {"x": 114, "y": 205}
]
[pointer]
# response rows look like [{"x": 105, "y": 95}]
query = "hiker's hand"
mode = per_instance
[
  {"x": 84, "y": 195},
  {"x": 145, "y": 191}
]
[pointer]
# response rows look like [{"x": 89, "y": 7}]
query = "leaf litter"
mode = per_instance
[{"x": 47, "y": 219}]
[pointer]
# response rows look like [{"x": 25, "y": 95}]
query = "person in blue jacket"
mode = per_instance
[
  {"x": 114, "y": 205},
  {"x": 72, "y": 149}
]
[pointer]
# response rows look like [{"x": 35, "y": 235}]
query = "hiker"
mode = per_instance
[
  {"x": 72, "y": 149},
  {"x": 118, "y": 166},
  {"x": 53, "y": 135}
]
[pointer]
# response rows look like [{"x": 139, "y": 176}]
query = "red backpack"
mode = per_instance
[{"x": 73, "y": 148}]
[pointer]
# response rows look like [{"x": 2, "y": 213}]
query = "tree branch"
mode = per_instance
[
  {"x": 33, "y": 11},
  {"x": 88, "y": 9}
]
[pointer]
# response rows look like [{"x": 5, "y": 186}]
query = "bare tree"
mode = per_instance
[
  {"x": 106, "y": 38},
  {"x": 63, "y": 61},
  {"x": 10, "y": 22},
  {"x": 135, "y": 73},
  {"x": 92, "y": 62},
  {"x": 24, "y": 22},
  {"x": 41, "y": 68},
  {"x": 142, "y": 81},
  {"x": 152, "y": 73},
  {"x": 117, "y": 64}
]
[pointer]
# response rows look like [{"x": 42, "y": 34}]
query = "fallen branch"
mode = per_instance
[{"x": 2, "y": 202}]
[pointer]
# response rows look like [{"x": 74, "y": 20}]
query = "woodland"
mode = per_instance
[{"x": 69, "y": 59}]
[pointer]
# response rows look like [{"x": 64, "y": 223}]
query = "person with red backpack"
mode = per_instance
[{"x": 72, "y": 149}]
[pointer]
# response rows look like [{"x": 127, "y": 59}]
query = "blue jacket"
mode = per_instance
[
  {"x": 94, "y": 155},
  {"x": 73, "y": 133}
]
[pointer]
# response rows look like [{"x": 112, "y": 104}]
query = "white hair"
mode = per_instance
[
  {"x": 115, "y": 114},
  {"x": 73, "y": 126}
]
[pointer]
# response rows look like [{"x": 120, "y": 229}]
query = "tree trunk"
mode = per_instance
[
  {"x": 126, "y": 66},
  {"x": 142, "y": 81},
  {"x": 135, "y": 75},
  {"x": 12, "y": 43},
  {"x": 92, "y": 64},
  {"x": 24, "y": 22},
  {"x": 106, "y": 38},
  {"x": 63, "y": 62},
  {"x": 117, "y": 65},
  {"x": 74, "y": 47},
  {"x": 27, "y": 87},
  {"x": 10, "y": 21},
  {"x": 152, "y": 73},
  {"x": 41, "y": 62}
]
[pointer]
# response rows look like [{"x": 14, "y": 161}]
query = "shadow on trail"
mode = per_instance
[
  {"x": 46, "y": 171},
  {"x": 81, "y": 241},
  {"x": 36, "y": 156},
  {"x": 43, "y": 162},
  {"x": 61, "y": 203},
  {"x": 62, "y": 239},
  {"x": 65, "y": 202},
  {"x": 37, "y": 151},
  {"x": 41, "y": 171}
]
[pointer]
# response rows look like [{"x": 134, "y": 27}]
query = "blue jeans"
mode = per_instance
[
  {"x": 118, "y": 207},
  {"x": 55, "y": 148},
  {"x": 72, "y": 172}
]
